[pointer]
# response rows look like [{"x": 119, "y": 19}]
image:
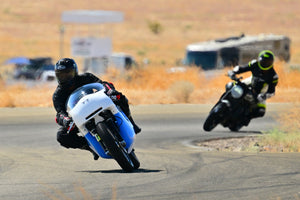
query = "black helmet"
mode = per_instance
[
  {"x": 265, "y": 60},
  {"x": 65, "y": 71}
]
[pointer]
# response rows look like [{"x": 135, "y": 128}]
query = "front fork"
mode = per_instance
[
  {"x": 95, "y": 144},
  {"x": 125, "y": 130}
]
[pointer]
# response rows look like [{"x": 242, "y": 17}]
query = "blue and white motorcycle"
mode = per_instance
[{"x": 103, "y": 124}]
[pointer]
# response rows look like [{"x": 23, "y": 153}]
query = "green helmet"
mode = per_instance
[{"x": 265, "y": 60}]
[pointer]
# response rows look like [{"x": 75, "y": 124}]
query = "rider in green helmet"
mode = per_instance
[{"x": 263, "y": 80}]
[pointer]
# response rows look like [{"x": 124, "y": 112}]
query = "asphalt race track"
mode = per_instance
[{"x": 33, "y": 166}]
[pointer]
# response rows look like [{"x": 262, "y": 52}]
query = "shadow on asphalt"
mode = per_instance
[
  {"x": 121, "y": 171},
  {"x": 237, "y": 132}
]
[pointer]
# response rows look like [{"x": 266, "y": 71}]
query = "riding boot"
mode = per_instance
[
  {"x": 136, "y": 128},
  {"x": 87, "y": 147}
]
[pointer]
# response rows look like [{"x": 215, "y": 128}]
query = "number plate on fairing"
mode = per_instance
[{"x": 97, "y": 137}]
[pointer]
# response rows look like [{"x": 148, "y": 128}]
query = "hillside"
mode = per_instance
[{"x": 31, "y": 28}]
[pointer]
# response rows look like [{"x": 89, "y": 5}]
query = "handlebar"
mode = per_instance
[{"x": 233, "y": 76}]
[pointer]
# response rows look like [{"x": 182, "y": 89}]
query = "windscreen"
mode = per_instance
[{"x": 81, "y": 92}]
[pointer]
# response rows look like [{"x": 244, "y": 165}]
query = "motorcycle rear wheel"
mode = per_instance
[
  {"x": 235, "y": 128},
  {"x": 117, "y": 151}
]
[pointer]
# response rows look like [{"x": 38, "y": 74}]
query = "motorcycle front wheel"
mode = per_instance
[
  {"x": 213, "y": 118},
  {"x": 117, "y": 151},
  {"x": 134, "y": 159}
]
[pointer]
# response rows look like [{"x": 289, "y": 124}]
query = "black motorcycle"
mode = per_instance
[{"x": 234, "y": 107}]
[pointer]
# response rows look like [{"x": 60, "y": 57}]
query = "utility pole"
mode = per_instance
[{"x": 62, "y": 32}]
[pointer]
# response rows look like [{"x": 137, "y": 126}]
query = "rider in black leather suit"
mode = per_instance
[
  {"x": 66, "y": 72},
  {"x": 263, "y": 74}
]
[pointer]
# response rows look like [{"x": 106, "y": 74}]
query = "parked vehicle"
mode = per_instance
[
  {"x": 99, "y": 65},
  {"x": 106, "y": 128},
  {"x": 46, "y": 73},
  {"x": 122, "y": 61},
  {"x": 35, "y": 69},
  {"x": 233, "y": 108},
  {"x": 219, "y": 53}
]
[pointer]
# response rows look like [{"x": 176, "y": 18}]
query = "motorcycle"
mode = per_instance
[
  {"x": 233, "y": 108},
  {"x": 108, "y": 131}
]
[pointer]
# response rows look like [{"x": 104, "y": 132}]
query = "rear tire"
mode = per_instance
[
  {"x": 235, "y": 128},
  {"x": 117, "y": 151}
]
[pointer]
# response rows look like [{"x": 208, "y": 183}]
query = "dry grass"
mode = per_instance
[
  {"x": 287, "y": 137},
  {"x": 156, "y": 85},
  {"x": 147, "y": 86},
  {"x": 278, "y": 141},
  {"x": 22, "y": 96}
]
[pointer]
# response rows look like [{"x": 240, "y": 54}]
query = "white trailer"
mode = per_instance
[{"x": 217, "y": 54}]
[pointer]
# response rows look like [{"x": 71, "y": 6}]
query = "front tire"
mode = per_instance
[
  {"x": 134, "y": 159},
  {"x": 213, "y": 118},
  {"x": 117, "y": 151},
  {"x": 210, "y": 122}
]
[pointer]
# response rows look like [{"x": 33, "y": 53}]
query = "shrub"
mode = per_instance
[
  {"x": 181, "y": 91},
  {"x": 155, "y": 27}
]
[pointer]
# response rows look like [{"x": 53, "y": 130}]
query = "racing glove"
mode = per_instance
[
  {"x": 69, "y": 124},
  {"x": 109, "y": 87},
  {"x": 67, "y": 121},
  {"x": 63, "y": 120},
  {"x": 231, "y": 74},
  {"x": 112, "y": 92},
  {"x": 115, "y": 96}
]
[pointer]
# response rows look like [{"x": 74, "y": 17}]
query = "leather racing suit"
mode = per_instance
[
  {"x": 263, "y": 83},
  {"x": 60, "y": 96}
]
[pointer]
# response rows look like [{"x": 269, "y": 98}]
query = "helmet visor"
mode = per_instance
[
  {"x": 265, "y": 64},
  {"x": 65, "y": 76}
]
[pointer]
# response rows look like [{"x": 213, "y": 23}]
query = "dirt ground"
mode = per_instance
[{"x": 238, "y": 144}]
